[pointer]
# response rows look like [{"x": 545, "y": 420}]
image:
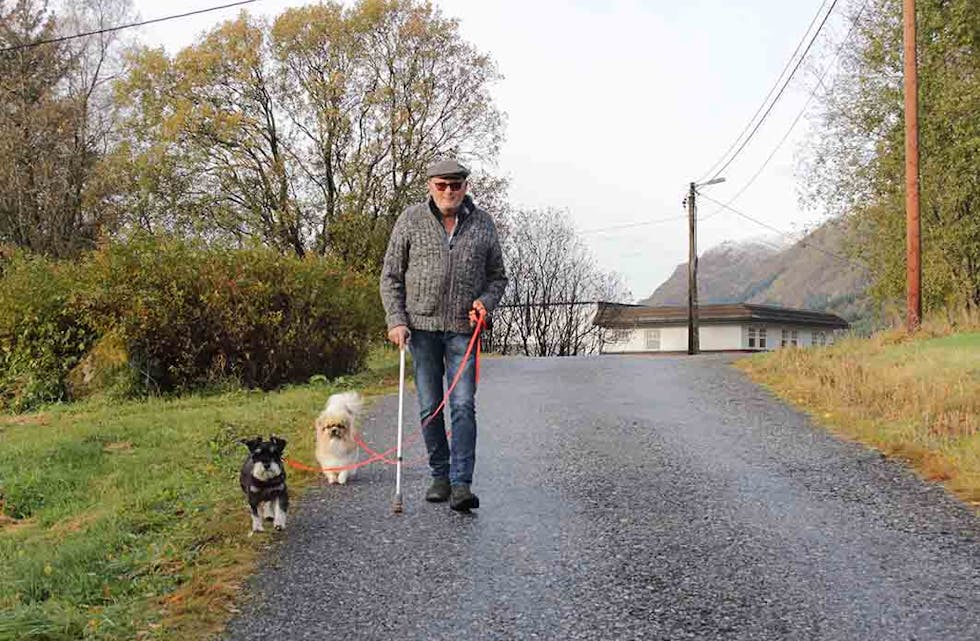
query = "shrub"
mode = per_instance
[
  {"x": 181, "y": 317},
  {"x": 193, "y": 318},
  {"x": 42, "y": 336}
]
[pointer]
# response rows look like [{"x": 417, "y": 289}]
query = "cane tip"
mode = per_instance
[{"x": 396, "y": 505}]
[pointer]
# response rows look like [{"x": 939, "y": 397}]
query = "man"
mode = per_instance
[{"x": 443, "y": 268}]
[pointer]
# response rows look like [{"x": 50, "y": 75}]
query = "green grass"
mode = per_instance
[
  {"x": 959, "y": 351},
  {"x": 125, "y": 521},
  {"x": 916, "y": 398},
  {"x": 967, "y": 341}
]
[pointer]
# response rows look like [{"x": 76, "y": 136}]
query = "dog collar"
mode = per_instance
[
  {"x": 274, "y": 488},
  {"x": 279, "y": 479}
]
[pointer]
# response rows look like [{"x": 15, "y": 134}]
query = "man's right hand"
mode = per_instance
[{"x": 399, "y": 335}]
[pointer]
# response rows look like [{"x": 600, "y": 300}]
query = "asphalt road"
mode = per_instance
[{"x": 628, "y": 497}]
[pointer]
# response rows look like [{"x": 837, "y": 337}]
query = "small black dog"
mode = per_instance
[{"x": 263, "y": 479}]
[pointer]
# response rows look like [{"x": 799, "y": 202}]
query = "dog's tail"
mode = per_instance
[{"x": 350, "y": 402}]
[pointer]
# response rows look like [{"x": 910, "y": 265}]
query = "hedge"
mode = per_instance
[{"x": 157, "y": 316}]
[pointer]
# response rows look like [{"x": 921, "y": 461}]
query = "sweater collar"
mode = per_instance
[{"x": 465, "y": 208}]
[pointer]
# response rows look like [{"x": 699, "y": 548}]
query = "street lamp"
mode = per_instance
[{"x": 693, "y": 342}]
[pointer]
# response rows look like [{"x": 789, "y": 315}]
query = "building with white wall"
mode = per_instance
[{"x": 721, "y": 328}]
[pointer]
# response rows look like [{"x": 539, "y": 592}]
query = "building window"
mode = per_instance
[
  {"x": 653, "y": 339},
  {"x": 819, "y": 338},
  {"x": 783, "y": 337},
  {"x": 794, "y": 338},
  {"x": 757, "y": 338}
]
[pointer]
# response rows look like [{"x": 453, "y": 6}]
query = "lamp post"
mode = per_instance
[{"x": 693, "y": 342}]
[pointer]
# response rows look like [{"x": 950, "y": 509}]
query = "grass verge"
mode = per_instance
[
  {"x": 125, "y": 520},
  {"x": 916, "y": 398}
]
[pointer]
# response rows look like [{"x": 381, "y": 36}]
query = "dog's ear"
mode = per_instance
[
  {"x": 251, "y": 443},
  {"x": 278, "y": 443}
]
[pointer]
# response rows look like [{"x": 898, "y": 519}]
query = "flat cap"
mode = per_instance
[{"x": 447, "y": 168}]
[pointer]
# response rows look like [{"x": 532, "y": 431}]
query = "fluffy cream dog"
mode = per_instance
[{"x": 336, "y": 430}]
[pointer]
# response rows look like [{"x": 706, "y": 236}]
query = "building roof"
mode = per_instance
[{"x": 619, "y": 316}]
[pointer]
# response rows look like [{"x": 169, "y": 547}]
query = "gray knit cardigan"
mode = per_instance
[{"x": 429, "y": 282}]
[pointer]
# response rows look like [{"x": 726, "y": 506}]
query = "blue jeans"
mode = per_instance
[{"x": 437, "y": 356}]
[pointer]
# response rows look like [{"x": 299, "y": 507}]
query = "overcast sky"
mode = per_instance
[{"x": 614, "y": 107}]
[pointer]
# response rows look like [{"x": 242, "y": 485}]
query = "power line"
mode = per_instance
[
  {"x": 712, "y": 214},
  {"x": 804, "y": 243},
  {"x": 765, "y": 100},
  {"x": 755, "y": 220},
  {"x": 29, "y": 45},
  {"x": 657, "y": 221},
  {"x": 799, "y": 116},
  {"x": 778, "y": 95}
]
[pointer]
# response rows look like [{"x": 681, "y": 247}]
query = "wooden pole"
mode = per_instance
[
  {"x": 913, "y": 238},
  {"x": 693, "y": 344}
]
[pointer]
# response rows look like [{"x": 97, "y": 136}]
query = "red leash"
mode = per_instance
[{"x": 374, "y": 456}]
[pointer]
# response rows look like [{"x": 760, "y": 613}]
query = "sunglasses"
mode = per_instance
[{"x": 456, "y": 185}]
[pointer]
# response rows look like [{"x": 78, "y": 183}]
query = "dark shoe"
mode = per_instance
[
  {"x": 462, "y": 500},
  {"x": 438, "y": 491}
]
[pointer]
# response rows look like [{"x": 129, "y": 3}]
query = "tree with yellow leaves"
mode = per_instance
[{"x": 309, "y": 134}]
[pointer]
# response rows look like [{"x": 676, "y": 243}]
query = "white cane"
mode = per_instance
[{"x": 396, "y": 505}]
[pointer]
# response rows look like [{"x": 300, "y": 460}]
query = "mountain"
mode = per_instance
[{"x": 812, "y": 273}]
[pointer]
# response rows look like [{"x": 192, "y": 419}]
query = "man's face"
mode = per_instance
[{"x": 447, "y": 193}]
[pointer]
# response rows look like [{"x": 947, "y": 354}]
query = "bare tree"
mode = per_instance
[
  {"x": 54, "y": 123},
  {"x": 554, "y": 286}
]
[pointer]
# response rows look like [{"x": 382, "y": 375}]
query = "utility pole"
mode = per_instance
[
  {"x": 693, "y": 344},
  {"x": 913, "y": 238},
  {"x": 693, "y": 338}
]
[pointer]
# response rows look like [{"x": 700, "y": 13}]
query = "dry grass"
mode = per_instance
[
  {"x": 199, "y": 608},
  {"x": 913, "y": 397},
  {"x": 24, "y": 419}
]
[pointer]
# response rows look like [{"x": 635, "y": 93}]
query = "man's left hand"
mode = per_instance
[{"x": 476, "y": 311}]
